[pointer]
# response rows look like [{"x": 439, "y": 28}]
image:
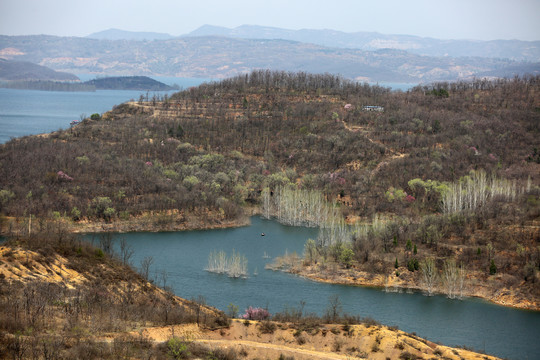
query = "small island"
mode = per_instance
[{"x": 128, "y": 83}]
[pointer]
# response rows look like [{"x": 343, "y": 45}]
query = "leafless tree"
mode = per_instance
[
  {"x": 106, "y": 243},
  {"x": 333, "y": 310},
  {"x": 145, "y": 266},
  {"x": 429, "y": 274},
  {"x": 451, "y": 280},
  {"x": 126, "y": 251},
  {"x": 462, "y": 276}
]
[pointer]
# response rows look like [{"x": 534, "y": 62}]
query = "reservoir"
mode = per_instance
[
  {"x": 30, "y": 112},
  {"x": 181, "y": 257}
]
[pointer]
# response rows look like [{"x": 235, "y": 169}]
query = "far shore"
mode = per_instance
[{"x": 481, "y": 288}]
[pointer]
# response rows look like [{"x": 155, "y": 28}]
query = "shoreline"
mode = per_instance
[
  {"x": 502, "y": 297},
  {"x": 350, "y": 277},
  {"x": 129, "y": 226},
  {"x": 165, "y": 222}
]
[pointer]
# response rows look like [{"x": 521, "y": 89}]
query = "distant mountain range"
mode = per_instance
[
  {"x": 116, "y": 34},
  {"x": 226, "y": 53},
  {"x": 370, "y": 41},
  {"x": 506, "y": 49}
]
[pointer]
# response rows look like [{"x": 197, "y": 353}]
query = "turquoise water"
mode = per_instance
[{"x": 182, "y": 257}]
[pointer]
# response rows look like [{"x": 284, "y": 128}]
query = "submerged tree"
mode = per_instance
[
  {"x": 237, "y": 265},
  {"x": 234, "y": 266}
]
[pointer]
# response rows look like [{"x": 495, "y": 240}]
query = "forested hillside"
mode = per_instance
[{"x": 449, "y": 169}]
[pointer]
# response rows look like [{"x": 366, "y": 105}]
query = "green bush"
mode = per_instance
[
  {"x": 408, "y": 246},
  {"x": 177, "y": 349},
  {"x": 101, "y": 207},
  {"x": 492, "y": 268},
  {"x": 346, "y": 256},
  {"x": 413, "y": 264},
  {"x": 75, "y": 214}
]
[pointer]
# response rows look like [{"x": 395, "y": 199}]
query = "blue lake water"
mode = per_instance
[
  {"x": 182, "y": 257},
  {"x": 30, "y": 112}
]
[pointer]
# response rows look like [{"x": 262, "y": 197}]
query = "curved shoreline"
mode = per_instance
[
  {"x": 209, "y": 221},
  {"x": 503, "y": 297}
]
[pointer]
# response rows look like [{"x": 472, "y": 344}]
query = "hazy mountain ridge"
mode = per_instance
[
  {"x": 117, "y": 34},
  {"x": 511, "y": 49},
  {"x": 219, "y": 57}
]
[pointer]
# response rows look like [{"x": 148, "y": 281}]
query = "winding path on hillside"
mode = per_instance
[{"x": 393, "y": 154}]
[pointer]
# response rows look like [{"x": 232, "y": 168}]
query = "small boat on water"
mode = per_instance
[
  {"x": 266, "y": 256},
  {"x": 262, "y": 234}
]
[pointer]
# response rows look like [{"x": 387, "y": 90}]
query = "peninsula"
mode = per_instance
[{"x": 435, "y": 188}]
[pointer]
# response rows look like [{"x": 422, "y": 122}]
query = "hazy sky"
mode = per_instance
[{"x": 451, "y": 19}]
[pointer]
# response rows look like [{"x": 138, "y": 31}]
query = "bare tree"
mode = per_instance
[
  {"x": 333, "y": 310},
  {"x": 429, "y": 274},
  {"x": 145, "y": 266},
  {"x": 106, "y": 243},
  {"x": 126, "y": 251},
  {"x": 310, "y": 251},
  {"x": 462, "y": 275},
  {"x": 163, "y": 277},
  {"x": 451, "y": 278}
]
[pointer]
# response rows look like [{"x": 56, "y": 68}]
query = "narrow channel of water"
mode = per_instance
[{"x": 182, "y": 257}]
